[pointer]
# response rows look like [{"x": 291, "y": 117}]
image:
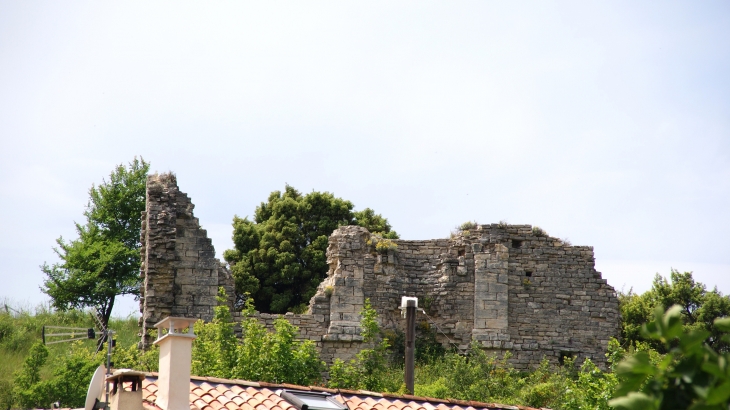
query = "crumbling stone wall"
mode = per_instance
[
  {"x": 180, "y": 274},
  {"x": 501, "y": 285},
  {"x": 504, "y": 286}
]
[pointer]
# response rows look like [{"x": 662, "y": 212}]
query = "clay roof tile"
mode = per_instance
[
  {"x": 222, "y": 388},
  {"x": 206, "y": 386},
  {"x": 268, "y": 403},
  {"x": 207, "y": 398}
]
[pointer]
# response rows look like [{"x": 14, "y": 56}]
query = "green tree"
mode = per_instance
[
  {"x": 699, "y": 309},
  {"x": 279, "y": 256},
  {"x": 104, "y": 261},
  {"x": 692, "y": 375}
]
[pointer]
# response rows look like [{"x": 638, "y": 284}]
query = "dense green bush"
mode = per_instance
[
  {"x": 692, "y": 375},
  {"x": 483, "y": 377},
  {"x": 67, "y": 385},
  {"x": 260, "y": 355}
]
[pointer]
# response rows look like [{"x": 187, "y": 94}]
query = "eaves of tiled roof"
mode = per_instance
[{"x": 210, "y": 393}]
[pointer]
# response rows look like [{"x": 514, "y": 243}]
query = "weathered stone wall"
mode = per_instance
[
  {"x": 180, "y": 274},
  {"x": 502, "y": 285}
]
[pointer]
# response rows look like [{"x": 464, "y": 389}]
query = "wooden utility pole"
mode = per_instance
[{"x": 410, "y": 305}]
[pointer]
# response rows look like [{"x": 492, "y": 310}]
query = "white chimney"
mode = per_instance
[
  {"x": 173, "y": 383},
  {"x": 126, "y": 393}
]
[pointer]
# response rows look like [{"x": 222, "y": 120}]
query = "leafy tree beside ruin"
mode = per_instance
[
  {"x": 699, "y": 309},
  {"x": 279, "y": 256},
  {"x": 103, "y": 262}
]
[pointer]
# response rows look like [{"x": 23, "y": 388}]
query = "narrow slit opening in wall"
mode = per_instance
[
  {"x": 516, "y": 243},
  {"x": 528, "y": 273}
]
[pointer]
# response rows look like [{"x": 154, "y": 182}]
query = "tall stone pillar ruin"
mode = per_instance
[{"x": 180, "y": 274}]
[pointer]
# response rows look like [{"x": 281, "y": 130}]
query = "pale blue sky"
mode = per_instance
[{"x": 607, "y": 123}]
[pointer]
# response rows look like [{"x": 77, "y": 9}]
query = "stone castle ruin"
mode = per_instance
[{"x": 505, "y": 286}]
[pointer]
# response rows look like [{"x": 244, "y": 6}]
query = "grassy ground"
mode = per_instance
[{"x": 21, "y": 327}]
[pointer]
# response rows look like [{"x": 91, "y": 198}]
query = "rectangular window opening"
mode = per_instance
[{"x": 565, "y": 355}]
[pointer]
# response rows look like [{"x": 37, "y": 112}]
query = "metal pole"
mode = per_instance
[
  {"x": 410, "y": 345},
  {"x": 109, "y": 336}
]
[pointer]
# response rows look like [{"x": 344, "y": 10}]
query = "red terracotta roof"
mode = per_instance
[{"x": 210, "y": 393}]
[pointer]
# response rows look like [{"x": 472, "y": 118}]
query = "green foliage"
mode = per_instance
[
  {"x": 477, "y": 375},
  {"x": 369, "y": 322},
  {"x": 260, "y": 355},
  {"x": 375, "y": 223},
  {"x": 72, "y": 376},
  {"x": 463, "y": 229},
  {"x": 279, "y": 256},
  {"x": 276, "y": 356},
  {"x": 104, "y": 261},
  {"x": 214, "y": 350},
  {"x": 68, "y": 385},
  {"x": 692, "y": 375},
  {"x": 380, "y": 244},
  {"x": 483, "y": 377},
  {"x": 474, "y": 376},
  {"x": 537, "y": 231},
  {"x": 131, "y": 357},
  {"x": 428, "y": 349},
  {"x": 369, "y": 370},
  {"x": 7, "y": 399},
  {"x": 699, "y": 309},
  {"x": 28, "y": 380},
  {"x": 467, "y": 226},
  {"x": 28, "y": 390}
]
